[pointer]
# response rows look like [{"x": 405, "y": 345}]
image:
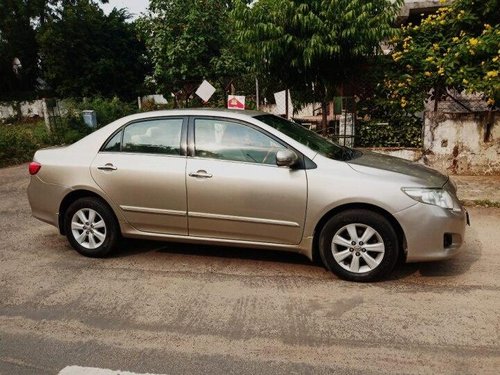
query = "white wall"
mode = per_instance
[{"x": 27, "y": 109}]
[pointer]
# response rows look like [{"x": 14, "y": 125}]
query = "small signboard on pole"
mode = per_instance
[
  {"x": 235, "y": 102},
  {"x": 283, "y": 103},
  {"x": 205, "y": 91}
]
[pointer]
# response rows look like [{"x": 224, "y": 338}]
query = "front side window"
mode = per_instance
[
  {"x": 162, "y": 136},
  {"x": 225, "y": 140}
]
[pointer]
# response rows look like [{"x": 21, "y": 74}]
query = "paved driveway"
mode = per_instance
[{"x": 169, "y": 308}]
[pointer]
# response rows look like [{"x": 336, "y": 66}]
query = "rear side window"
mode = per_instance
[
  {"x": 161, "y": 136},
  {"x": 114, "y": 144}
]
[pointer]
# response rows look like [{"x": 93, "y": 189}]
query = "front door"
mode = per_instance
[
  {"x": 142, "y": 169},
  {"x": 236, "y": 190}
]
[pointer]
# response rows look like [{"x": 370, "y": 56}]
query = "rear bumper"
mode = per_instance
[
  {"x": 45, "y": 199},
  {"x": 432, "y": 233}
]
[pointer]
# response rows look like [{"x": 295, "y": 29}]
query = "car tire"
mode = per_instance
[
  {"x": 91, "y": 227},
  {"x": 359, "y": 245}
]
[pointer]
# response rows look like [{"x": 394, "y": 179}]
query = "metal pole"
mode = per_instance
[
  {"x": 256, "y": 93},
  {"x": 345, "y": 120},
  {"x": 286, "y": 103}
]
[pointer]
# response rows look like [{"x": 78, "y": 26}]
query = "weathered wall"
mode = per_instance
[
  {"x": 420, "y": 6},
  {"x": 457, "y": 143},
  {"x": 462, "y": 143},
  {"x": 26, "y": 109}
]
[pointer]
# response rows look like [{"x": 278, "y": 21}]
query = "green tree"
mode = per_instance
[
  {"x": 456, "y": 48},
  {"x": 86, "y": 53},
  {"x": 18, "y": 40},
  {"x": 188, "y": 41},
  {"x": 314, "y": 45}
]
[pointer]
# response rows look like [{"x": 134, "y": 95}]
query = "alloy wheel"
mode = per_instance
[
  {"x": 358, "y": 248},
  {"x": 88, "y": 228}
]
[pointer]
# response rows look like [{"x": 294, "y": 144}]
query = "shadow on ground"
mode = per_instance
[
  {"x": 451, "y": 267},
  {"x": 133, "y": 247}
]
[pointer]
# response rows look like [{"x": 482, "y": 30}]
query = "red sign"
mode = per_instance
[{"x": 235, "y": 102}]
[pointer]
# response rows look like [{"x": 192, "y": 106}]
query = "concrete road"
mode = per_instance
[{"x": 169, "y": 308}]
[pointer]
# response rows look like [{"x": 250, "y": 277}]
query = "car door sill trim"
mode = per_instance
[
  {"x": 212, "y": 240},
  {"x": 148, "y": 210},
  {"x": 246, "y": 219}
]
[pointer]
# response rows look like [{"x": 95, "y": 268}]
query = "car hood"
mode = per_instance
[{"x": 375, "y": 163}]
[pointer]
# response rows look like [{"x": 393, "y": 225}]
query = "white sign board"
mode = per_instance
[
  {"x": 235, "y": 102},
  {"x": 205, "y": 91},
  {"x": 280, "y": 98}
]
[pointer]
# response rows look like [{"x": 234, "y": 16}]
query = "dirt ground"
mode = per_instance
[
  {"x": 482, "y": 188},
  {"x": 170, "y": 308}
]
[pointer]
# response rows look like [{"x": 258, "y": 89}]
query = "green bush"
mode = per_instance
[
  {"x": 68, "y": 129},
  {"x": 401, "y": 127},
  {"x": 107, "y": 110},
  {"x": 370, "y": 134},
  {"x": 19, "y": 142}
]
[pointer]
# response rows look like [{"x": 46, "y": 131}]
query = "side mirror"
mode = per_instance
[{"x": 286, "y": 158}]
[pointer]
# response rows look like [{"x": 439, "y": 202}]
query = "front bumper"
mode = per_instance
[{"x": 432, "y": 233}]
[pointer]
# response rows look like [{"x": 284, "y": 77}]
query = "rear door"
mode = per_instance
[{"x": 142, "y": 169}]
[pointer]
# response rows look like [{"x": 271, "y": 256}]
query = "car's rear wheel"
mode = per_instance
[
  {"x": 359, "y": 245},
  {"x": 91, "y": 227}
]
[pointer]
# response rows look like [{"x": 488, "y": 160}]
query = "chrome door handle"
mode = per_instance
[
  {"x": 107, "y": 167},
  {"x": 200, "y": 174}
]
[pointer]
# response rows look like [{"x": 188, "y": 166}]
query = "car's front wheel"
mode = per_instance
[
  {"x": 91, "y": 227},
  {"x": 359, "y": 245}
]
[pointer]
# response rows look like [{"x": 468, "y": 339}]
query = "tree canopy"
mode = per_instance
[
  {"x": 18, "y": 40},
  {"x": 72, "y": 45},
  {"x": 188, "y": 41},
  {"x": 85, "y": 52},
  {"x": 314, "y": 45},
  {"x": 311, "y": 46},
  {"x": 456, "y": 48}
]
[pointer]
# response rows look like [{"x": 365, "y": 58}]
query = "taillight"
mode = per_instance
[{"x": 34, "y": 167}]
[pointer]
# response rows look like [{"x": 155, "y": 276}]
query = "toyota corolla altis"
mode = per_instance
[{"x": 244, "y": 178}]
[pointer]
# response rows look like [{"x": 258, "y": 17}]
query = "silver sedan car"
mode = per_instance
[{"x": 243, "y": 178}]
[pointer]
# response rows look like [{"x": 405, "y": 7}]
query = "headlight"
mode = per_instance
[{"x": 436, "y": 197}]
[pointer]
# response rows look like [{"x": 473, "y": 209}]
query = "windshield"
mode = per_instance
[{"x": 308, "y": 138}]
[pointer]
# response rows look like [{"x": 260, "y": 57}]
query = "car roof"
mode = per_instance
[{"x": 202, "y": 111}]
